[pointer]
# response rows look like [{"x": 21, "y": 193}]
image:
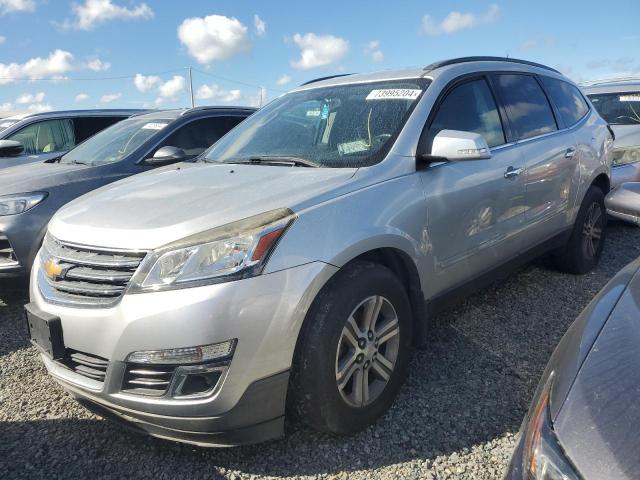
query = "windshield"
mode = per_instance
[
  {"x": 115, "y": 142},
  {"x": 618, "y": 108},
  {"x": 6, "y": 123},
  {"x": 342, "y": 126}
]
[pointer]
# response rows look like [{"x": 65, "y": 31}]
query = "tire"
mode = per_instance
[
  {"x": 582, "y": 252},
  {"x": 326, "y": 353}
]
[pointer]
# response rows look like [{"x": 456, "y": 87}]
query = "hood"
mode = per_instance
[
  {"x": 599, "y": 423},
  {"x": 626, "y": 135},
  {"x": 150, "y": 210},
  {"x": 35, "y": 177}
]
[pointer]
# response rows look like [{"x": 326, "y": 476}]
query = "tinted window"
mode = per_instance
[
  {"x": 46, "y": 136},
  {"x": 618, "y": 108},
  {"x": 527, "y": 105},
  {"x": 350, "y": 125},
  {"x": 195, "y": 137},
  {"x": 117, "y": 141},
  {"x": 568, "y": 99},
  {"x": 469, "y": 107},
  {"x": 88, "y": 126}
]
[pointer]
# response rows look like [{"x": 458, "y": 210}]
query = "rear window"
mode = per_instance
[
  {"x": 618, "y": 108},
  {"x": 570, "y": 103},
  {"x": 527, "y": 105}
]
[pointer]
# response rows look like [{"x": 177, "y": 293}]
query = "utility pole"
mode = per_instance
[
  {"x": 261, "y": 99},
  {"x": 191, "y": 87}
]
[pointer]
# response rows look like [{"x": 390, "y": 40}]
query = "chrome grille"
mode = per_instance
[
  {"x": 87, "y": 365},
  {"x": 7, "y": 255},
  {"x": 147, "y": 379},
  {"x": 85, "y": 276}
]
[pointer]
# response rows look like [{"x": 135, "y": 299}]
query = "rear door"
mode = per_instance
[
  {"x": 474, "y": 211},
  {"x": 549, "y": 151}
]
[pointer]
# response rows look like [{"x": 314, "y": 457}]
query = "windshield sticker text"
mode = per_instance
[
  {"x": 154, "y": 126},
  {"x": 394, "y": 94},
  {"x": 635, "y": 97},
  {"x": 353, "y": 147}
]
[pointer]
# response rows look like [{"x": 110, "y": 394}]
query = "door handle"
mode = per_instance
[
  {"x": 512, "y": 172},
  {"x": 570, "y": 153}
]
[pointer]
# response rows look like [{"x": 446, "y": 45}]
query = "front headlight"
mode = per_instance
[
  {"x": 626, "y": 155},
  {"x": 20, "y": 202},
  {"x": 231, "y": 252},
  {"x": 544, "y": 457}
]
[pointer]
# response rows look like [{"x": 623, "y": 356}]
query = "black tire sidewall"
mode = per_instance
[{"x": 319, "y": 402}]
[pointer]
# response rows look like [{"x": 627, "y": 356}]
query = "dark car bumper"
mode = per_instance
[
  {"x": 21, "y": 236},
  {"x": 257, "y": 417}
]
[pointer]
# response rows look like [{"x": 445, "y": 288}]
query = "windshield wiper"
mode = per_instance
[{"x": 277, "y": 160}]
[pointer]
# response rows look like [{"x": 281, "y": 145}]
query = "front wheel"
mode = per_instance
[
  {"x": 586, "y": 243},
  {"x": 354, "y": 350}
]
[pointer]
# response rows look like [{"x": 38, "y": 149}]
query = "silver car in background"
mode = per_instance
[
  {"x": 618, "y": 102},
  {"x": 297, "y": 262}
]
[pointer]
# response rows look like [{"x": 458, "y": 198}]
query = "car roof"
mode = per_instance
[
  {"x": 611, "y": 85},
  {"x": 79, "y": 113},
  {"x": 432, "y": 71},
  {"x": 174, "y": 114}
]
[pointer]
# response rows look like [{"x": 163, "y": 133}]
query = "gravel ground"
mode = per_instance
[{"x": 457, "y": 416}]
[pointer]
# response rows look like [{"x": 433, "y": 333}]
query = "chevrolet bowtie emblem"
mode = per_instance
[{"x": 53, "y": 269}]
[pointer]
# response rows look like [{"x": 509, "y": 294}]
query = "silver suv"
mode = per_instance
[{"x": 297, "y": 262}]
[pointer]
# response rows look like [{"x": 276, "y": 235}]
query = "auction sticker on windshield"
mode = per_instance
[
  {"x": 394, "y": 94},
  {"x": 154, "y": 126},
  {"x": 635, "y": 97}
]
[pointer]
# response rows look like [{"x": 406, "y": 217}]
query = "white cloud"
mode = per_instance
[
  {"x": 144, "y": 83},
  {"x": 6, "y": 107},
  {"x": 172, "y": 87},
  {"x": 98, "y": 65},
  {"x": 261, "y": 27},
  {"x": 214, "y": 37},
  {"x": 55, "y": 65},
  {"x": 373, "y": 51},
  {"x": 81, "y": 97},
  {"x": 8, "y": 6},
  {"x": 318, "y": 50},
  {"x": 110, "y": 97},
  {"x": 2, "y": 39},
  {"x": 30, "y": 98},
  {"x": 284, "y": 79},
  {"x": 94, "y": 12},
  {"x": 455, "y": 21},
  {"x": 39, "y": 107},
  {"x": 215, "y": 92}
]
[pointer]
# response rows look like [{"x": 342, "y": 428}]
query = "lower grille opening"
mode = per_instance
[
  {"x": 7, "y": 255},
  {"x": 87, "y": 365},
  {"x": 150, "y": 380}
]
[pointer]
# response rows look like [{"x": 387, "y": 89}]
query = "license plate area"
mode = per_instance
[{"x": 45, "y": 332}]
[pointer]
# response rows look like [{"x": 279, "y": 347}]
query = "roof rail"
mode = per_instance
[
  {"x": 455, "y": 61},
  {"x": 214, "y": 107},
  {"x": 105, "y": 111},
  {"x": 319, "y": 79},
  {"x": 593, "y": 83}
]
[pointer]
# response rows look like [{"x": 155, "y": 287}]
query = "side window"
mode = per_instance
[
  {"x": 86, "y": 127},
  {"x": 46, "y": 136},
  {"x": 469, "y": 107},
  {"x": 527, "y": 105},
  {"x": 569, "y": 101},
  {"x": 195, "y": 137}
]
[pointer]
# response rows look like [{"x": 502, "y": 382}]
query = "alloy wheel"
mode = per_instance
[
  {"x": 592, "y": 230},
  {"x": 367, "y": 351}
]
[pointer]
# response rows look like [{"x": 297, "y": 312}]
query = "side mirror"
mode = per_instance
[
  {"x": 458, "y": 145},
  {"x": 10, "y": 148},
  {"x": 166, "y": 155}
]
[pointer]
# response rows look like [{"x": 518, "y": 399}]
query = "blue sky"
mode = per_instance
[{"x": 129, "y": 53}]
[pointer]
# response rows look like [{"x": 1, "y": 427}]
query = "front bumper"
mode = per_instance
[
  {"x": 623, "y": 202},
  {"x": 24, "y": 232},
  {"x": 263, "y": 313}
]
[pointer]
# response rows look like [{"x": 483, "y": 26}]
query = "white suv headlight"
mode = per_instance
[
  {"x": 626, "y": 155},
  {"x": 231, "y": 252},
  {"x": 20, "y": 202}
]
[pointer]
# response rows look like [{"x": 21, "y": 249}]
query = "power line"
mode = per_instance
[
  {"x": 225, "y": 79},
  {"x": 73, "y": 79}
]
